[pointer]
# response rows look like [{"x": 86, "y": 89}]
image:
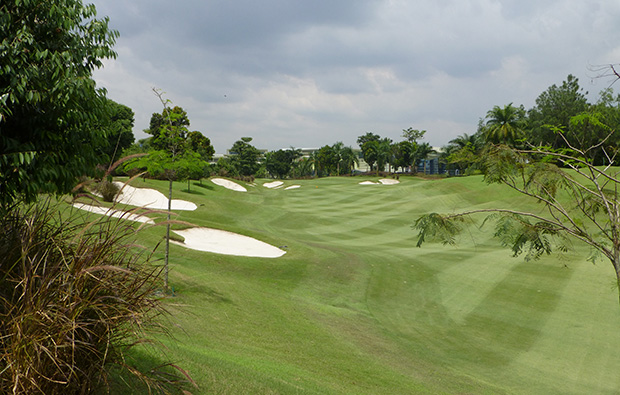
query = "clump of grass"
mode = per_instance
[
  {"x": 74, "y": 298},
  {"x": 108, "y": 190}
]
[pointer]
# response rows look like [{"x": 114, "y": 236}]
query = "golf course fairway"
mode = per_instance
[{"x": 353, "y": 307}]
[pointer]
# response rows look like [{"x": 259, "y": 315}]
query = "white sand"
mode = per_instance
[
  {"x": 383, "y": 181},
  {"x": 273, "y": 184},
  {"x": 292, "y": 187},
  {"x": 389, "y": 181},
  {"x": 228, "y": 184},
  {"x": 114, "y": 213},
  {"x": 227, "y": 243},
  {"x": 150, "y": 198}
]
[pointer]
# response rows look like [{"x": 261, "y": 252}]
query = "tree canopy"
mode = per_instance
[
  {"x": 244, "y": 157},
  {"x": 504, "y": 125},
  {"x": 49, "y": 104},
  {"x": 555, "y": 107},
  {"x": 117, "y": 125},
  {"x": 280, "y": 163}
]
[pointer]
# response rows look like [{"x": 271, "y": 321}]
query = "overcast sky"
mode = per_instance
[{"x": 306, "y": 73}]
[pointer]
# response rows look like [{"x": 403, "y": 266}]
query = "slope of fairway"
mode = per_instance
[{"x": 353, "y": 307}]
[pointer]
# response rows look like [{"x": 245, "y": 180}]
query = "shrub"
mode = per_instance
[
  {"x": 74, "y": 298},
  {"x": 108, "y": 190}
]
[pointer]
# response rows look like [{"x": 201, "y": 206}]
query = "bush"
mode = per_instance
[
  {"x": 74, "y": 298},
  {"x": 108, "y": 190}
]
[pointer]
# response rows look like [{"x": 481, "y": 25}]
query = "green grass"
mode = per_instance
[{"x": 354, "y": 307}]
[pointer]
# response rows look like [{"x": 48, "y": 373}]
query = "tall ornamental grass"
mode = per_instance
[{"x": 75, "y": 296}]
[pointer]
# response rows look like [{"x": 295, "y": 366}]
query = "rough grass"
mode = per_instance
[
  {"x": 75, "y": 296},
  {"x": 354, "y": 307}
]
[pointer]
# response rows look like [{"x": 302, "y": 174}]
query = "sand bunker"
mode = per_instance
[
  {"x": 113, "y": 213},
  {"x": 292, "y": 187},
  {"x": 389, "y": 181},
  {"x": 227, "y": 243},
  {"x": 228, "y": 184},
  {"x": 383, "y": 181},
  {"x": 150, "y": 198},
  {"x": 273, "y": 184}
]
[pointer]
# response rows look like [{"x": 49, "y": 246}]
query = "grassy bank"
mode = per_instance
[{"x": 354, "y": 307}]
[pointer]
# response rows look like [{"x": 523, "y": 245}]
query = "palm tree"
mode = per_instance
[
  {"x": 304, "y": 167},
  {"x": 504, "y": 125},
  {"x": 349, "y": 158},
  {"x": 384, "y": 153},
  {"x": 465, "y": 139},
  {"x": 337, "y": 148}
]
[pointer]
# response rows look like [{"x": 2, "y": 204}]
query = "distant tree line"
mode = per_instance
[{"x": 561, "y": 117}]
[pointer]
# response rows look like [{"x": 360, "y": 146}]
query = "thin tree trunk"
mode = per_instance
[
  {"x": 168, "y": 237},
  {"x": 616, "y": 264}
]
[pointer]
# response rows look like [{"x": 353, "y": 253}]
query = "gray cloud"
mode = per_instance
[{"x": 313, "y": 73}]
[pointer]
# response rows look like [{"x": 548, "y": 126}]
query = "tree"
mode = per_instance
[
  {"x": 49, "y": 104},
  {"x": 174, "y": 117},
  {"x": 403, "y": 152},
  {"x": 383, "y": 153},
  {"x": 370, "y": 151},
  {"x": 337, "y": 149},
  {"x": 348, "y": 159},
  {"x": 465, "y": 140},
  {"x": 175, "y": 160},
  {"x": 304, "y": 167},
  {"x": 118, "y": 127},
  {"x": 326, "y": 161},
  {"x": 581, "y": 201},
  {"x": 413, "y": 135},
  {"x": 369, "y": 136},
  {"x": 463, "y": 152},
  {"x": 244, "y": 157},
  {"x": 464, "y": 157},
  {"x": 200, "y": 144},
  {"x": 555, "y": 107},
  {"x": 279, "y": 163},
  {"x": 504, "y": 125}
]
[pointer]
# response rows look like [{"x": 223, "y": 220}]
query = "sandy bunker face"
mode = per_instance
[
  {"x": 383, "y": 181},
  {"x": 227, "y": 243},
  {"x": 273, "y": 184},
  {"x": 228, "y": 184},
  {"x": 114, "y": 213},
  {"x": 150, "y": 198}
]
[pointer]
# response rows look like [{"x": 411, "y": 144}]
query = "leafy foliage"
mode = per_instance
[
  {"x": 581, "y": 203},
  {"x": 413, "y": 135},
  {"x": 348, "y": 160},
  {"x": 326, "y": 161},
  {"x": 244, "y": 157},
  {"x": 280, "y": 163},
  {"x": 49, "y": 105},
  {"x": 505, "y": 125},
  {"x": 201, "y": 145},
  {"x": 555, "y": 107},
  {"x": 172, "y": 122},
  {"x": 437, "y": 227},
  {"x": 118, "y": 124}
]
